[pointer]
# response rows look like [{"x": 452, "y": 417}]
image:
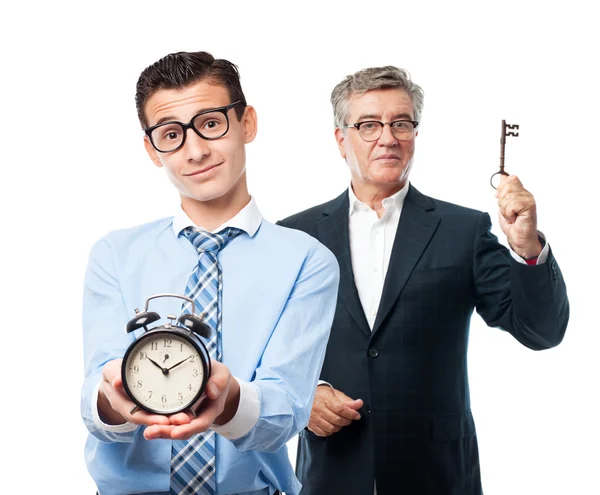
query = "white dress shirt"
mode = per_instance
[{"x": 371, "y": 242}]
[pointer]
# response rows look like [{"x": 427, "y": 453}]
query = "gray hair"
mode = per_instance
[{"x": 388, "y": 77}]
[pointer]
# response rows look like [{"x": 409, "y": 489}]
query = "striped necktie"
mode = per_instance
[{"x": 193, "y": 468}]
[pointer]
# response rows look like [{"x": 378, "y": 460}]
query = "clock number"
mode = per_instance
[
  {"x": 164, "y": 399},
  {"x": 149, "y": 394},
  {"x": 168, "y": 342},
  {"x": 195, "y": 373},
  {"x": 192, "y": 358},
  {"x": 154, "y": 346},
  {"x": 181, "y": 347},
  {"x": 143, "y": 355},
  {"x": 136, "y": 369},
  {"x": 189, "y": 387},
  {"x": 180, "y": 397},
  {"x": 139, "y": 383}
]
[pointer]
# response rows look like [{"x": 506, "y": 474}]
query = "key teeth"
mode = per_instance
[{"x": 514, "y": 127}]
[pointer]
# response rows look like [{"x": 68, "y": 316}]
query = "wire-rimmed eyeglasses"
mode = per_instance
[
  {"x": 371, "y": 130},
  {"x": 211, "y": 124}
]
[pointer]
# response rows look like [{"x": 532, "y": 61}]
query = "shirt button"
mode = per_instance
[{"x": 373, "y": 352}]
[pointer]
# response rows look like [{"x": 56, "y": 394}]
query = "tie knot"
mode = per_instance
[{"x": 207, "y": 241}]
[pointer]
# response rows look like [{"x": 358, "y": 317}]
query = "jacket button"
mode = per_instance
[{"x": 373, "y": 352}]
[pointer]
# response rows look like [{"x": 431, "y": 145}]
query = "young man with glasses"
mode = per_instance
[
  {"x": 268, "y": 292},
  {"x": 392, "y": 415}
]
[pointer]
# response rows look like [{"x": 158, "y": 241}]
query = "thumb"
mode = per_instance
[
  {"x": 349, "y": 401},
  {"x": 117, "y": 382}
]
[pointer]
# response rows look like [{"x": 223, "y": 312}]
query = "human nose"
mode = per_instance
[
  {"x": 387, "y": 138},
  {"x": 195, "y": 147}
]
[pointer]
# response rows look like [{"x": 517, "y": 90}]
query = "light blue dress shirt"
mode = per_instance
[{"x": 279, "y": 296}]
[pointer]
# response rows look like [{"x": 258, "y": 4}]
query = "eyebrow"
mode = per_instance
[
  {"x": 373, "y": 116},
  {"x": 166, "y": 119},
  {"x": 170, "y": 118}
]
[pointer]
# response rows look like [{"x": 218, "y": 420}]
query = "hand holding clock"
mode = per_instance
[
  {"x": 115, "y": 406},
  {"x": 217, "y": 406}
]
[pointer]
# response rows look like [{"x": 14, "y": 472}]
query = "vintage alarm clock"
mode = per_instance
[{"x": 165, "y": 369}]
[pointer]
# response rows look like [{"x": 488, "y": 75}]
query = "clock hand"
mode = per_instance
[
  {"x": 180, "y": 362},
  {"x": 164, "y": 370}
]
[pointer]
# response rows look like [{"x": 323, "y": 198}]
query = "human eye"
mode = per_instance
[
  {"x": 402, "y": 124},
  {"x": 369, "y": 125},
  {"x": 170, "y": 132},
  {"x": 211, "y": 124}
]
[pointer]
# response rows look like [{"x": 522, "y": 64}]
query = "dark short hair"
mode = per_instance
[{"x": 179, "y": 70}]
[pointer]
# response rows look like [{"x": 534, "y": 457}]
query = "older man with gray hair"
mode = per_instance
[{"x": 392, "y": 412}]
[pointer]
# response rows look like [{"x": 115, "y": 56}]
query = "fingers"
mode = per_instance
[
  {"x": 514, "y": 199},
  {"x": 355, "y": 404},
  {"x": 334, "y": 407},
  {"x": 202, "y": 415},
  {"x": 112, "y": 370},
  {"x": 111, "y": 388},
  {"x": 332, "y": 410},
  {"x": 218, "y": 380},
  {"x": 121, "y": 404},
  {"x": 154, "y": 432},
  {"x": 202, "y": 423},
  {"x": 506, "y": 180}
]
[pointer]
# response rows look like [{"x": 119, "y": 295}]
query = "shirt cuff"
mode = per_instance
[
  {"x": 323, "y": 382},
  {"x": 246, "y": 415},
  {"x": 542, "y": 257},
  {"x": 101, "y": 425}
]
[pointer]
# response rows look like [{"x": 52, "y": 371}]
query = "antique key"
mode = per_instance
[{"x": 512, "y": 131}]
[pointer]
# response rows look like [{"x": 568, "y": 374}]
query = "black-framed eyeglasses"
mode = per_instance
[
  {"x": 209, "y": 124},
  {"x": 371, "y": 130}
]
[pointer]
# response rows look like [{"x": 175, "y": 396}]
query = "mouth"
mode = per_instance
[
  {"x": 202, "y": 170},
  {"x": 388, "y": 157}
]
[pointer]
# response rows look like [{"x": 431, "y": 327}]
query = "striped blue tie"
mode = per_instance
[{"x": 193, "y": 469}]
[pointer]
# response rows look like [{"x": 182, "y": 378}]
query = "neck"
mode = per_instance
[
  {"x": 211, "y": 214},
  {"x": 373, "y": 194}
]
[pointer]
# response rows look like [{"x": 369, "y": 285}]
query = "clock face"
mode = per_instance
[{"x": 163, "y": 372}]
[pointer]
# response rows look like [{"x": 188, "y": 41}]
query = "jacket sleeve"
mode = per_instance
[{"x": 529, "y": 302}]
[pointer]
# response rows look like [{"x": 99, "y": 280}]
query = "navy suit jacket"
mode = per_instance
[{"x": 417, "y": 435}]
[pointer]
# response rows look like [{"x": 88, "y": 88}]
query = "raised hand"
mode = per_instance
[{"x": 518, "y": 217}]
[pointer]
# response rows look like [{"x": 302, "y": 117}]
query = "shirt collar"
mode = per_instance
[
  {"x": 247, "y": 219},
  {"x": 395, "y": 201}
]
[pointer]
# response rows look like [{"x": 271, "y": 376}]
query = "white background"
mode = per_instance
[{"x": 73, "y": 168}]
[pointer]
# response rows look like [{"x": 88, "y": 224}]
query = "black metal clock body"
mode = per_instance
[{"x": 165, "y": 369}]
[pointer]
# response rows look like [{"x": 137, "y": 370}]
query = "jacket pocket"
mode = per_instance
[{"x": 453, "y": 426}]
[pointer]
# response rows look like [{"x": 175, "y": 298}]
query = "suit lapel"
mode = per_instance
[
  {"x": 415, "y": 229},
  {"x": 333, "y": 232}
]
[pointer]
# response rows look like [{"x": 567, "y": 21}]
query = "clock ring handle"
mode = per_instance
[{"x": 191, "y": 301}]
